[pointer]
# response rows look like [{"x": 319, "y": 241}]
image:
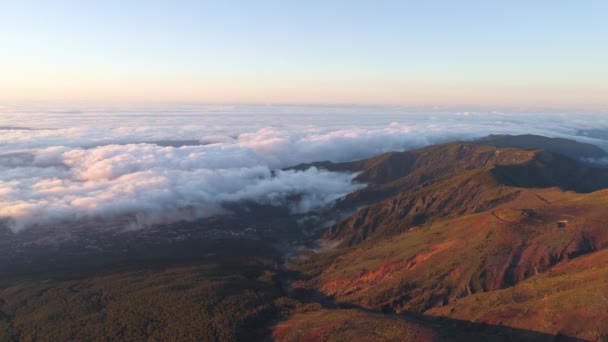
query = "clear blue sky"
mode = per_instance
[{"x": 519, "y": 53}]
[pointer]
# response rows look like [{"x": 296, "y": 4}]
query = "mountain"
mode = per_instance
[
  {"x": 450, "y": 180},
  {"x": 454, "y": 242},
  {"x": 434, "y": 263},
  {"x": 390, "y": 173},
  {"x": 471, "y": 233}
]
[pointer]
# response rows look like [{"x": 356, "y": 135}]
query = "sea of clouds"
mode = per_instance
[{"x": 172, "y": 162}]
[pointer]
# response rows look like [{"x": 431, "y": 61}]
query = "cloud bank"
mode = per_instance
[{"x": 176, "y": 163}]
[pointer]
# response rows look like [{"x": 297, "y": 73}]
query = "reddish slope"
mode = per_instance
[
  {"x": 450, "y": 259},
  {"x": 571, "y": 299},
  {"x": 470, "y": 192},
  {"x": 473, "y": 233}
]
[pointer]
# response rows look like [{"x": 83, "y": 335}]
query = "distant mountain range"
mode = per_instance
[
  {"x": 569, "y": 148},
  {"x": 503, "y": 238}
]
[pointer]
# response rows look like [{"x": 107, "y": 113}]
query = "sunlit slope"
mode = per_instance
[
  {"x": 437, "y": 264},
  {"x": 570, "y": 299},
  {"x": 451, "y": 180}
]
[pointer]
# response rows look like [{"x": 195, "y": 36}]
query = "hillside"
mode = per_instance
[
  {"x": 516, "y": 243},
  {"x": 569, "y": 299},
  {"x": 450, "y": 180},
  {"x": 552, "y": 161},
  {"x": 517, "y": 239}
]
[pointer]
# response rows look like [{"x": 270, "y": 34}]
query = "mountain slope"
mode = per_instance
[
  {"x": 470, "y": 192},
  {"x": 571, "y": 299},
  {"x": 450, "y": 180},
  {"x": 441, "y": 263}
]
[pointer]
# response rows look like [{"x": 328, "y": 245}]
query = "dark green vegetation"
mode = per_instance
[
  {"x": 200, "y": 281},
  {"x": 224, "y": 300},
  {"x": 458, "y": 241}
]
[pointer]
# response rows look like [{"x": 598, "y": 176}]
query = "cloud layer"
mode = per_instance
[{"x": 177, "y": 163}]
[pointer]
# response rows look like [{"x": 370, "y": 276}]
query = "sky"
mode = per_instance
[{"x": 548, "y": 54}]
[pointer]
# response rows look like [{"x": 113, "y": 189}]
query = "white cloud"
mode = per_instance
[
  {"x": 95, "y": 162},
  {"x": 61, "y": 183}
]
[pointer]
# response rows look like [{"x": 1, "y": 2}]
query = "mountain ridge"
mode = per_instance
[{"x": 454, "y": 179}]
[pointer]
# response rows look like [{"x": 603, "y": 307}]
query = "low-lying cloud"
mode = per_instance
[{"x": 167, "y": 167}]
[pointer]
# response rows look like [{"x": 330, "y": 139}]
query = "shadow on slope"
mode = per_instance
[
  {"x": 570, "y": 148},
  {"x": 331, "y": 321}
]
